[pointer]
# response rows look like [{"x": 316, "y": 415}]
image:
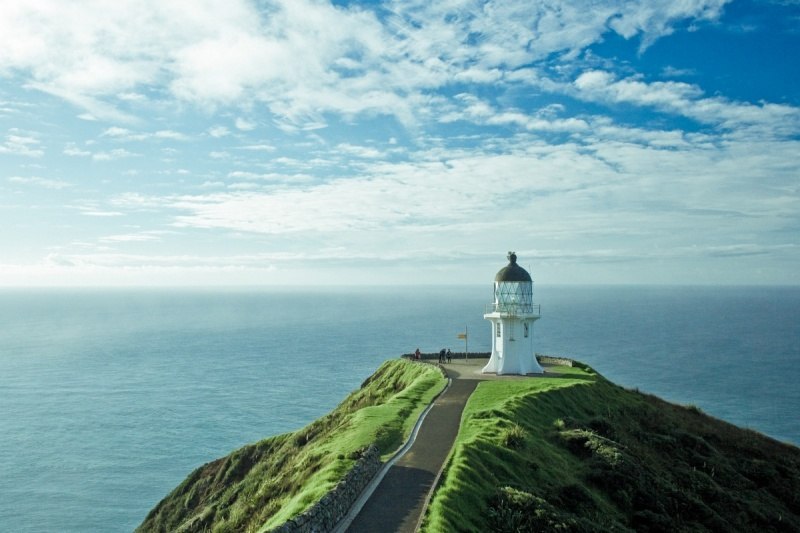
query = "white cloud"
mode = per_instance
[
  {"x": 132, "y": 97},
  {"x": 95, "y": 106},
  {"x": 571, "y": 180},
  {"x": 218, "y": 131},
  {"x": 674, "y": 72},
  {"x": 257, "y": 147},
  {"x": 89, "y": 213},
  {"x": 144, "y": 236},
  {"x": 40, "y": 182},
  {"x": 365, "y": 152},
  {"x": 406, "y": 195},
  {"x": 244, "y": 186},
  {"x": 245, "y": 125},
  {"x": 72, "y": 149},
  {"x": 614, "y": 194},
  {"x": 688, "y": 100},
  {"x": 96, "y": 55},
  {"x": 169, "y": 134},
  {"x": 21, "y": 144},
  {"x": 270, "y": 177},
  {"x": 482, "y": 112},
  {"x": 116, "y": 131},
  {"x": 111, "y": 155},
  {"x": 654, "y": 19},
  {"x": 125, "y": 134}
]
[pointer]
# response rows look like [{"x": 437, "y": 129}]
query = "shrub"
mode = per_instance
[
  {"x": 514, "y": 437},
  {"x": 514, "y": 510}
]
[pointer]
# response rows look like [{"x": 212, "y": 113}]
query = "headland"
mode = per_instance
[{"x": 566, "y": 450}]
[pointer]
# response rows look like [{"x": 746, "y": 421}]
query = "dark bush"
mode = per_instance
[{"x": 514, "y": 437}]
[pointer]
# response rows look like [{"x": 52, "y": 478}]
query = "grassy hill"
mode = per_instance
[
  {"x": 568, "y": 453},
  {"x": 262, "y": 485},
  {"x": 578, "y": 453}
]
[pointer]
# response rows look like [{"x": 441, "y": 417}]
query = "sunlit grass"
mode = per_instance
[
  {"x": 578, "y": 453},
  {"x": 262, "y": 485}
]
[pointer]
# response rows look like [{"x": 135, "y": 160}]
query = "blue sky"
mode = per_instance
[{"x": 202, "y": 142}]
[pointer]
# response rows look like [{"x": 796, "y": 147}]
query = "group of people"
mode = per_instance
[{"x": 444, "y": 355}]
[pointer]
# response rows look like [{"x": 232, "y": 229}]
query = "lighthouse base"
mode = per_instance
[{"x": 512, "y": 365}]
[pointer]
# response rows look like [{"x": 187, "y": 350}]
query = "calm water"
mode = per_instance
[{"x": 108, "y": 399}]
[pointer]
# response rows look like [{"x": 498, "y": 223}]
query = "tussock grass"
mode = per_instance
[
  {"x": 262, "y": 485},
  {"x": 582, "y": 454}
]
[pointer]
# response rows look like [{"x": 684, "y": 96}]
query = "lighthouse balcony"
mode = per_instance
[{"x": 514, "y": 309}]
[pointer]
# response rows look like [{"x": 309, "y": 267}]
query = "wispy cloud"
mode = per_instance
[
  {"x": 353, "y": 61},
  {"x": 365, "y": 152},
  {"x": 111, "y": 155},
  {"x": 92, "y": 213},
  {"x": 271, "y": 177},
  {"x": 625, "y": 184},
  {"x": 143, "y": 236},
  {"x": 257, "y": 147},
  {"x": 71, "y": 149},
  {"x": 36, "y": 181},
  {"x": 360, "y": 131},
  {"x": 169, "y": 134},
  {"x": 218, "y": 131},
  {"x": 244, "y": 124},
  {"x": 125, "y": 134},
  {"x": 18, "y": 143},
  {"x": 688, "y": 100}
]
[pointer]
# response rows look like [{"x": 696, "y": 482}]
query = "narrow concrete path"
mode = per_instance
[{"x": 398, "y": 501}]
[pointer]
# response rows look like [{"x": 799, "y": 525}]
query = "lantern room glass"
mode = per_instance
[{"x": 513, "y": 296}]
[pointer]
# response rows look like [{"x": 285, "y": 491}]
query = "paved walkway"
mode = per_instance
[{"x": 398, "y": 501}]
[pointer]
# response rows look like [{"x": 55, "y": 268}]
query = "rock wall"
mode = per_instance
[
  {"x": 554, "y": 360},
  {"x": 332, "y": 507}
]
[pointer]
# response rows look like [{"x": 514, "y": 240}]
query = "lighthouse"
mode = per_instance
[{"x": 512, "y": 314}]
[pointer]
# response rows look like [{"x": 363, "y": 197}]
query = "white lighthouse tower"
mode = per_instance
[{"x": 512, "y": 315}]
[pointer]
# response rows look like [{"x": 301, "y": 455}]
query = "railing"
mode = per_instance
[{"x": 514, "y": 309}]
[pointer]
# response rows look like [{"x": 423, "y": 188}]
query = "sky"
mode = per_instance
[{"x": 309, "y": 142}]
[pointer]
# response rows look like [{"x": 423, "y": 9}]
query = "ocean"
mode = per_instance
[{"x": 109, "y": 398}]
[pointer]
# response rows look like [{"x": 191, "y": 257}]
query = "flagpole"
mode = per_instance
[{"x": 466, "y": 343}]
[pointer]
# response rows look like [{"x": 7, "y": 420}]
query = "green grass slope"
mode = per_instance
[
  {"x": 578, "y": 453},
  {"x": 262, "y": 485}
]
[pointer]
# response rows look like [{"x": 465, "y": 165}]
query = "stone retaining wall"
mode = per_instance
[
  {"x": 328, "y": 511},
  {"x": 554, "y": 360}
]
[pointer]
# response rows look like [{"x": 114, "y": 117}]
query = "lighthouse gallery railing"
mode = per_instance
[{"x": 514, "y": 308}]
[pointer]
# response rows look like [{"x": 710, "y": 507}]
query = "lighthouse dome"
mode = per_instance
[{"x": 512, "y": 272}]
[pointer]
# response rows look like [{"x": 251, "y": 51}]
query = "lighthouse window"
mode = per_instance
[
  {"x": 499, "y": 330},
  {"x": 525, "y": 328}
]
